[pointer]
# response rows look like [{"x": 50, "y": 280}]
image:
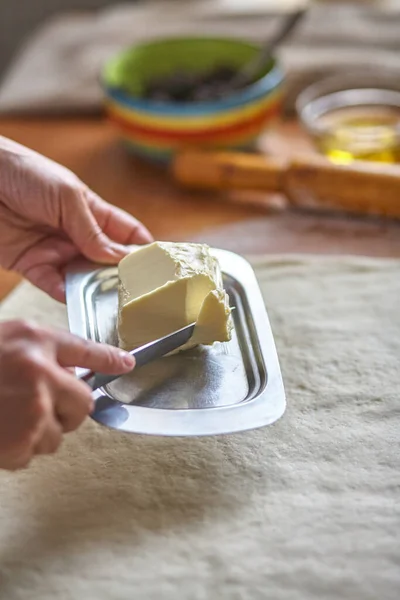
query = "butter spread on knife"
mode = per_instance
[{"x": 165, "y": 286}]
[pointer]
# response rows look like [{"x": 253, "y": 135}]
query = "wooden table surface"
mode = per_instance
[{"x": 89, "y": 147}]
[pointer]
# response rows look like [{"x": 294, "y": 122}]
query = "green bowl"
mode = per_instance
[{"x": 157, "y": 129}]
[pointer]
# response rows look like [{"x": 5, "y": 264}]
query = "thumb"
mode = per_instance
[{"x": 82, "y": 228}]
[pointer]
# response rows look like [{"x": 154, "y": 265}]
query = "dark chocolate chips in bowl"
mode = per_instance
[{"x": 186, "y": 86}]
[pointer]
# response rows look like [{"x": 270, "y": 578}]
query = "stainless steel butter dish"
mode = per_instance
[{"x": 226, "y": 388}]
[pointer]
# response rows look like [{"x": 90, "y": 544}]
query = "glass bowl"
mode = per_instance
[{"x": 354, "y": 116}]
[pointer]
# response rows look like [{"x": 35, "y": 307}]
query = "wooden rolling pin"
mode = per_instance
[{"x": 307, "y": 182}]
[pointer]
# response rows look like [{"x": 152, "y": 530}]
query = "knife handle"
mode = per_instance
[
  {"x": 95, "y": 380},
  {"x": 142, "y": 355}
]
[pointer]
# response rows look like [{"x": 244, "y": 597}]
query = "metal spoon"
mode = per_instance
[{"x": 249, "y": 72}]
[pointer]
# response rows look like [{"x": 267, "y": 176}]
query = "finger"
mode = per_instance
[
  {"x": 73, "y": 351},
  {"x": 37, "y": 415},
  {"x": 80, "y": 224},
  {"x": 117, "y": 224},
  {"x": 15, "y": 464},
  {"x": 51, "y": 437},
  {"x": 73, "y": 400},
  {"x": 18, "y": 457},
  {"x": 48, "y": 279},
  {"x": 43, "y": 263}
]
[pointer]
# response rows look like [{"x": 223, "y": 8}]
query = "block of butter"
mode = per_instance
[{"x": 165, "y": 286}]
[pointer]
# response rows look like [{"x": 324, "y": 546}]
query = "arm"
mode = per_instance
[{"x": 47, "y": 218}]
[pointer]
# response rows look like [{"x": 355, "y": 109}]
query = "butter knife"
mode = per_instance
[{"x": 143, "y": 355}]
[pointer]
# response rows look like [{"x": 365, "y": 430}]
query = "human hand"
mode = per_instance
[
  {"x": 40, "y": 399},
  {"x": 48, "y": 217}
]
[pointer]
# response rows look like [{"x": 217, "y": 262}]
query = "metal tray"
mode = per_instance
[{"x": 225, "y": 388}]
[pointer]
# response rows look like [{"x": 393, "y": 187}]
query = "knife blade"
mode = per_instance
[{"x": 143, "y": 355}]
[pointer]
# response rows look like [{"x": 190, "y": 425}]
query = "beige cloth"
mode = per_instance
[
  {"x": 307, "y": 509},
  {"x": 58, "y": 70}
]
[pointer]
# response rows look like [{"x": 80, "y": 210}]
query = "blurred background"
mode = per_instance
[
  {"x": 331, "y": 87},
  {"x": 19, "y": 19},
  {"x": 53, "y": 52}
]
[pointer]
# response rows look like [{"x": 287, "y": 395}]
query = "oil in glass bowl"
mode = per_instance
[
  {"x": 360, "y": 133},
  {"x": 353, "y": 122}
]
